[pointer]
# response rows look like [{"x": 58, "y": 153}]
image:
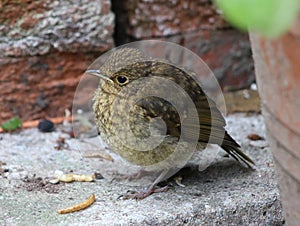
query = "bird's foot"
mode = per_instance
[{"x": 144, "y": 194}]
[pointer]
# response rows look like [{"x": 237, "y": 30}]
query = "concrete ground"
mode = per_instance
[{"x": 226, "y": 193}]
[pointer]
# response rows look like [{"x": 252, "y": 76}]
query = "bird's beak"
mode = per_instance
[{"x": 98, "y": 74}]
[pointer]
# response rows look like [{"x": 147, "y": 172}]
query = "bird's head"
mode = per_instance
[{"x": 121, "y": 67}]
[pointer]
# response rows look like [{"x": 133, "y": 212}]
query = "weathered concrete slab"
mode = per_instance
[{"x": 224, "y": 194}]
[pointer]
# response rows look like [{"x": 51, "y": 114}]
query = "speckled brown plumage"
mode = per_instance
[{"x": 130, "y": 68}]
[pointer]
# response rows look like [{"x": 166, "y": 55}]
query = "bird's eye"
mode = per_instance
[{"x": 122, "y": 79}]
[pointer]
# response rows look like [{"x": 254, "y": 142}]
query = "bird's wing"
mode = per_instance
[
  {"x": 155, "y": 107},
  {"x": 209, "y": 118},
  {"x": 207, "y": 114},
  {"x": 210, "y": 121}
]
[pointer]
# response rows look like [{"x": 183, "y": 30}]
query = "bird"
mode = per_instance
[{"x": 154, "y": 114}]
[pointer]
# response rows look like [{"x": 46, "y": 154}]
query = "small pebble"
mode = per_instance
[
  {"x": 98, "y": 176},
  {"x": 255, "y": 137},
  {"x": 46, "y": 126},
  {"x": 54, "y": 181}
]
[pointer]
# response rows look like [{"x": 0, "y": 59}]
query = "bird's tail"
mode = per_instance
[{"x": 234, "y": 149}]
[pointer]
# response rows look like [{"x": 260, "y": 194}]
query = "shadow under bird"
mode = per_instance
[{"x": 125, "y": 122}]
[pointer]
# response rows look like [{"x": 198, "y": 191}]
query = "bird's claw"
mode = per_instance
[{"x": 143, "y": 194}]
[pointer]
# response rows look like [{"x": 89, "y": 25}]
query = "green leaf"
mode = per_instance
[
  {"x": 11, "y": 124},
  {"x": 271, "y": 18}
]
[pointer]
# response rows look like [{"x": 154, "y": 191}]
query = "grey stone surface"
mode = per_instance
[
  {"x": 67, "y": 26},
  {"x": 225, "y": 193}
]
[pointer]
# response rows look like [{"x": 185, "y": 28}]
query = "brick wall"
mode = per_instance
[{"x": 45, "y": 46}]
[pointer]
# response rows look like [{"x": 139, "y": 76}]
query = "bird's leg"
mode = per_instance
[
  {"x": 152, "y": 189},
  {"x": 141, "y": 173}
]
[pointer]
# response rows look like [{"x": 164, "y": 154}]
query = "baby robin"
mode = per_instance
[{"x": 155, "y": 115}]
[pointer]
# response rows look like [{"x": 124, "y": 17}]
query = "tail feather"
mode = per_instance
[{"x": 234, "y": 150}]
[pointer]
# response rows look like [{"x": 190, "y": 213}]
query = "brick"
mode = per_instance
[{"x": 45, "y": 46}]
